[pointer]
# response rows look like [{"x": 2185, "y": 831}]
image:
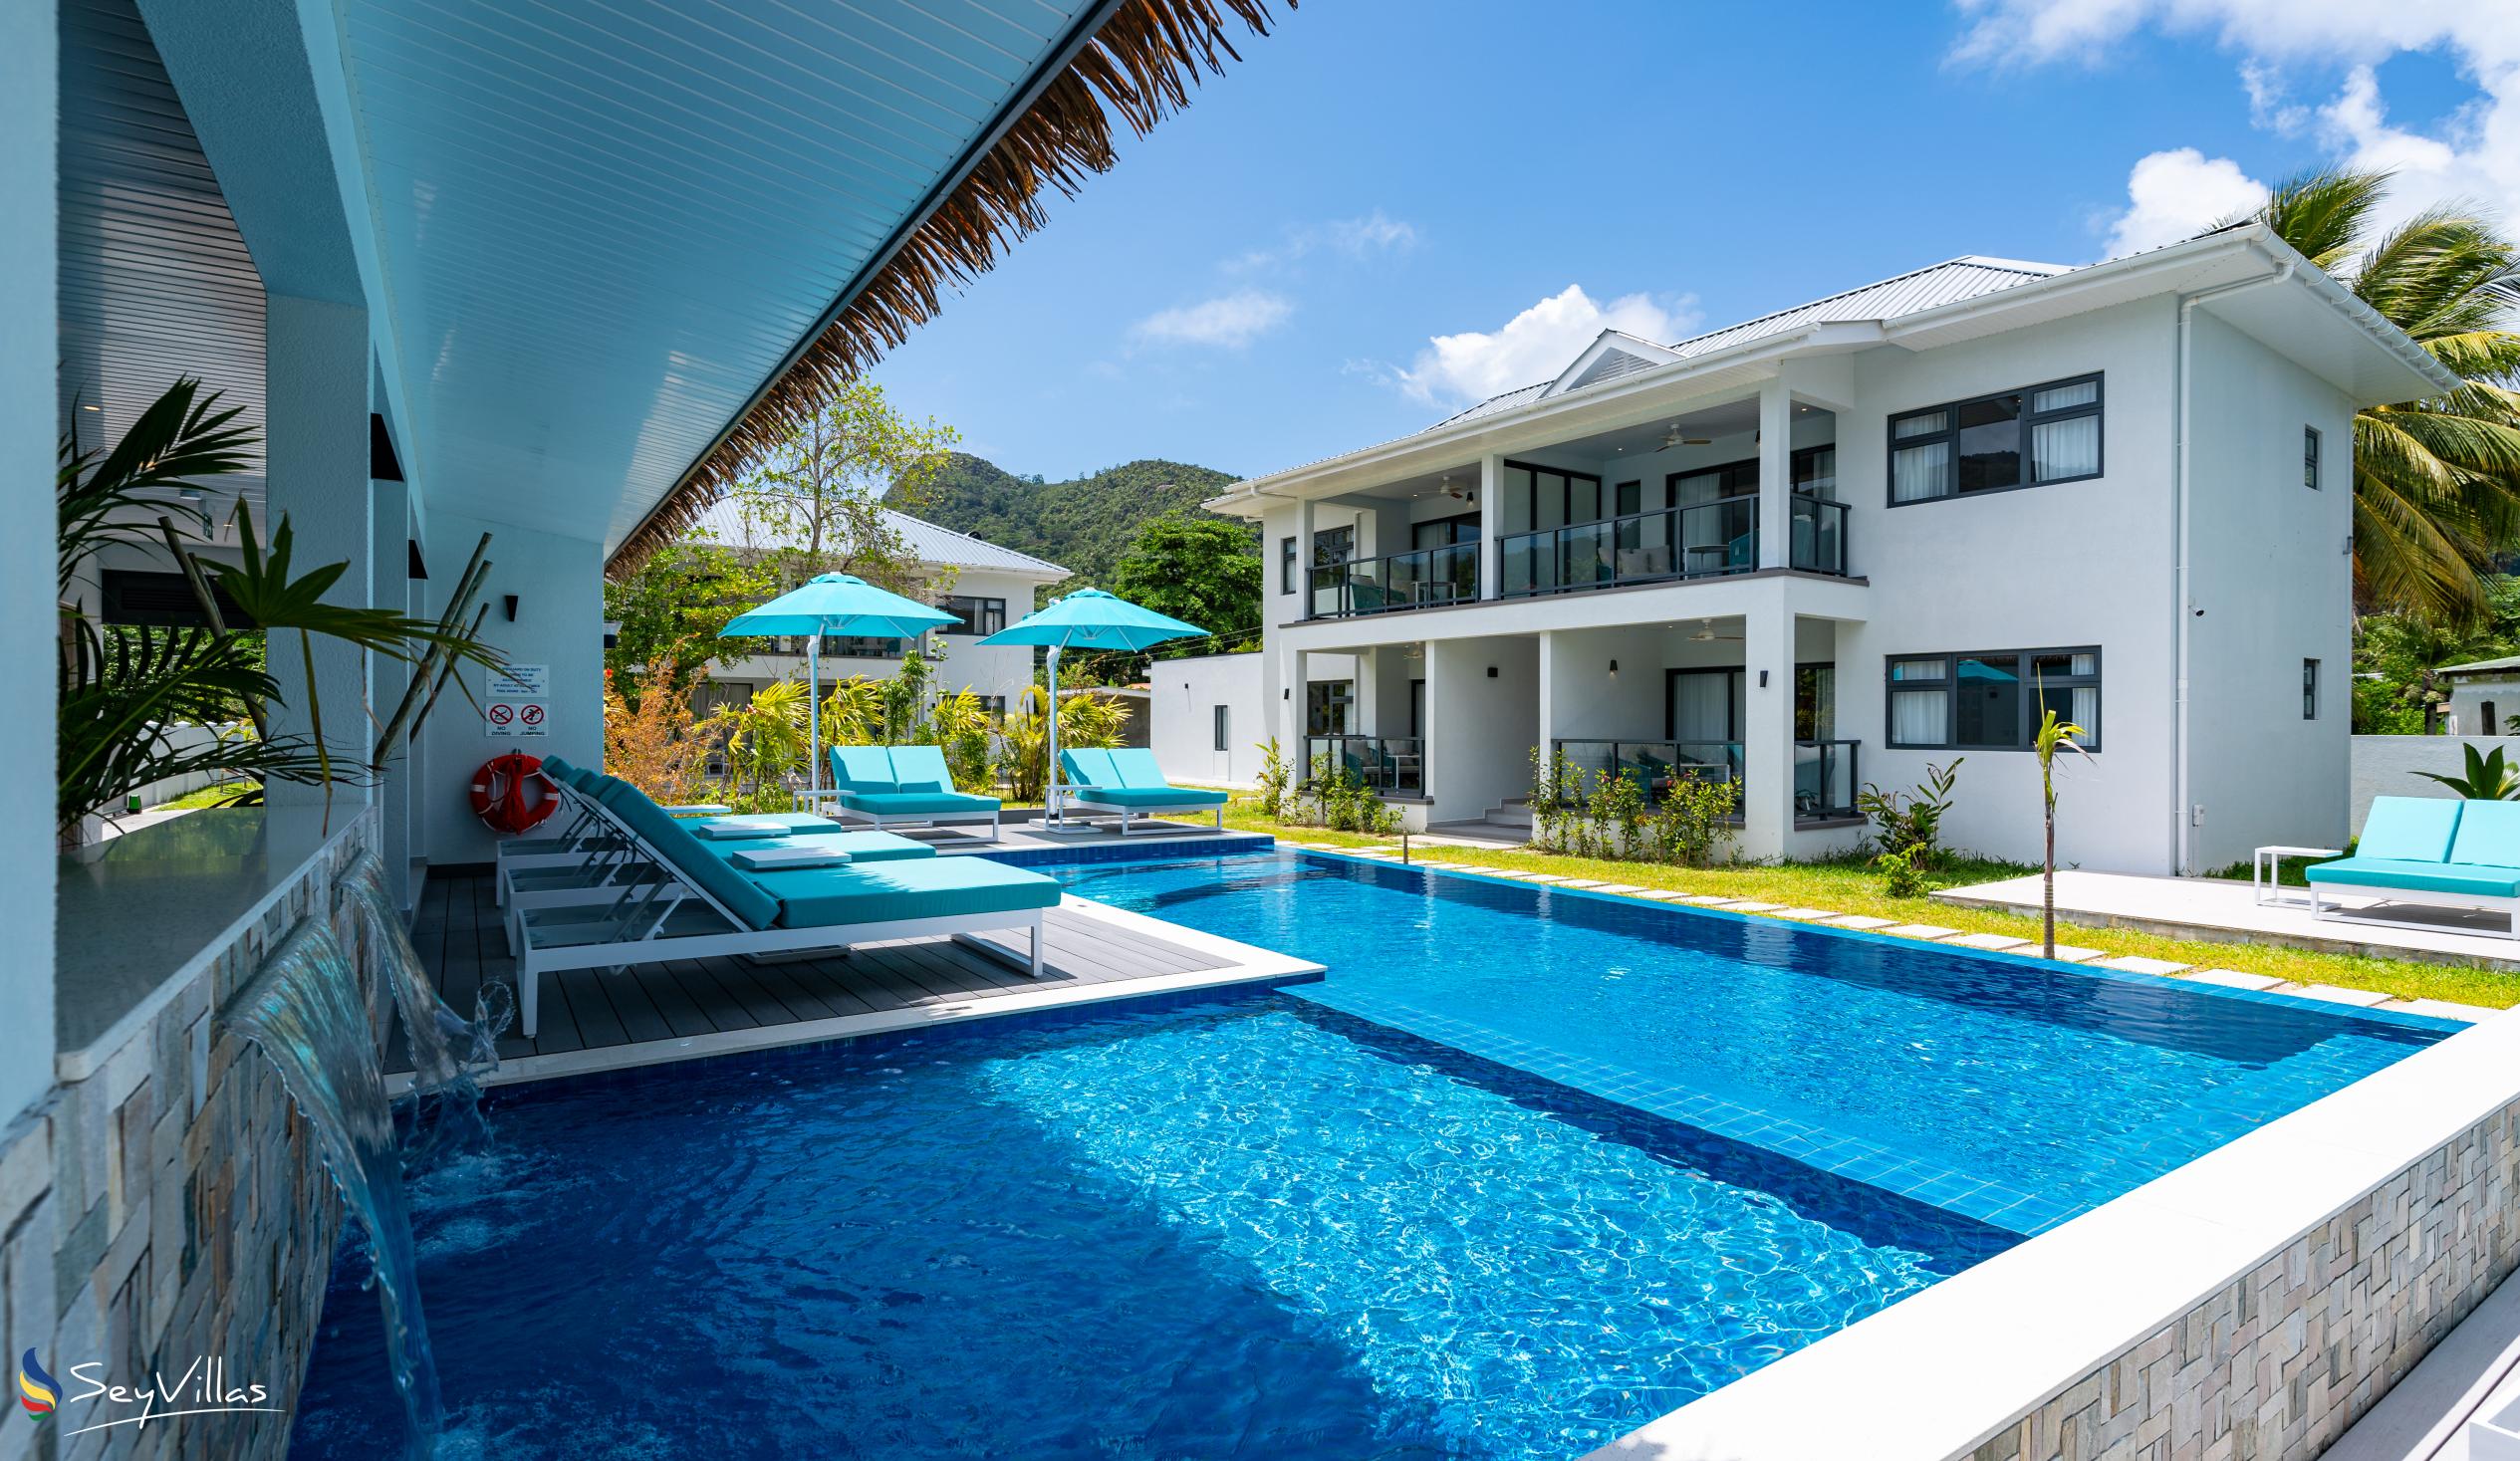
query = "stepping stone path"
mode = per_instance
[
  {"x": 1809, "y": 915},
  {"x": 2074, "y": 953},
  {"x": 2442, "y": 1008},
  {"x": 1616, "y": 888},
  {"x": 1864, "y": 920},
  {"x": 2361, "y": 998},
  {"x": 1581, "y": 883},
  {"x": 1744, "y": 905},
  {"x": 2135, "y": 964},
  {"x": 1988, "y": 941},
  {"x": 2234, "y": 979},
  {"x": 1922, "y": 931}
]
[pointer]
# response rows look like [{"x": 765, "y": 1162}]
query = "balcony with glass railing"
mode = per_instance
[
  {"x": 1423, "y": 578},
  {"x": 1703, "y": 540},
  {"x": 1390, "y": 766},
  {"x": 1823, "y": 771}
]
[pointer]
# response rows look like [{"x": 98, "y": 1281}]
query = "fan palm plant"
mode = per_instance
[
  {"x": 766, "y": 739},
  {"x": 120, "y": 690},
  {"x": 2436, "y": 482}
]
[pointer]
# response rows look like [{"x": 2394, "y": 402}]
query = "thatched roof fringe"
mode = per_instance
[{"x": 1141, "y": 65}]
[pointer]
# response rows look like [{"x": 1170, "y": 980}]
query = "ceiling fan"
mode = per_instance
[
  {"x": 1448, "y": 489},
  {"x": 1676, "y": 438},
  {"x": 1706, "y": 633}
]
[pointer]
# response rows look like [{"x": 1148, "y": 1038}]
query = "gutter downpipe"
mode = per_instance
[{"x": 2183, "y": 608}]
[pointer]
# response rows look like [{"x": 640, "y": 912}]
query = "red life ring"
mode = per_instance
[{"x": 511, "y": 793}]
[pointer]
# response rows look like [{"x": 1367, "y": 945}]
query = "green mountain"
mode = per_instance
[{"x": 1085, "y": 525}]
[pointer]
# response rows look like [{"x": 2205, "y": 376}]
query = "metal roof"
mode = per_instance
[
  {"x": 2509, "y": 664},
  {"x": 936, "y": 545},
  {"x": 1948, "y": 282}
]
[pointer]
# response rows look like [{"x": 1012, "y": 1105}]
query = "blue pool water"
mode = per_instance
[{"x": 1436, "y": 1205}]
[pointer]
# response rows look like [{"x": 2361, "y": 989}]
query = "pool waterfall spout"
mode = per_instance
[
  {"x": 449, "y": 1053},
  {"x": 304, "y": 1009}
]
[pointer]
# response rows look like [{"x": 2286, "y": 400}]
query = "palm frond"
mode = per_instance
[
  {"x": 2321, "y": 214},
  {"x": 116, "y": 496}
]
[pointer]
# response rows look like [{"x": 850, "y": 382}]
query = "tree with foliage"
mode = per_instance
[
  {"x": 2436, "y": 482},
  {"x": 1198, "y": 570},
  {"x": 820, "y": 496},
  {"x": 2397, "y": 690},
  {"x": 1084, "y": 525},
  {"x": 676, "y": 601}
]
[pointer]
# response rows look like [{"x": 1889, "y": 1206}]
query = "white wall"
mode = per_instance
[
  {"x": 559, "y": 623},
  {"x": 1181, "y": 700},
  {"x": 28, "y": 81},
  {"x": 2271, "y": 585},
  {"x": 2470, "y": 694},
  {"x": 2066, "y": 566},
  {"x": 2385, "y": 766},
  {"x": 1480, "y": 731}
]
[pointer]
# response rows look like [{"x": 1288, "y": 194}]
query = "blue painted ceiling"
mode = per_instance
[{"x": 606, "y": 223}]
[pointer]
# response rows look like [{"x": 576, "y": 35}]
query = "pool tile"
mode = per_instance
[{"x": 2442, "y": 1008}]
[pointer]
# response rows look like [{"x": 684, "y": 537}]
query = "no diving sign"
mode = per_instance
[{"x": 516, "y": 703}]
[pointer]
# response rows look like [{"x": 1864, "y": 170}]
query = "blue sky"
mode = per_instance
[{"x": 1264, "y": 279}]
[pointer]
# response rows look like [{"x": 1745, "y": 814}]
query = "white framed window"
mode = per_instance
[
  {"x": 2309, "y": 691},
  {"x": 1223, "y": 740},
  {"x": 2310, "y": 458}
]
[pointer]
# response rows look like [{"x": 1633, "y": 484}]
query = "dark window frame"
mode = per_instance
[
  {"x": 1222, "y": 731},
  {"x": 1453, "y": 522},
  {"x": 2029, "y": 422},
  {"x": 2027, "y": 717},
  {"x": 1286, "y": 565},
  {"x": 992, "y": 614},
  {"x": 2311, "y": 462},
  {"x": 1341, "y": 695},
  {"x": 1566, "y": 477},
  {"x": 2310, "y": 689}
]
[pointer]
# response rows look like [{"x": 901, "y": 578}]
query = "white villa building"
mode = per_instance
[
  {"x": 989, "y": 586},
  {"x": 1837, "y": 544}
]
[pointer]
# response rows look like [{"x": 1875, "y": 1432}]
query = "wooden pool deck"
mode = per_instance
[{"x": 595, "y": 1021}]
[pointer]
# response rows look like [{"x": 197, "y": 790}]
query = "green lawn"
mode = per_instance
[
  {"x": 1849, "y": 886},
  {"x": 210, "y": 795}
]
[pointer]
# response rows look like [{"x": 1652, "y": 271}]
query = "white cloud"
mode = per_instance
[
  {"x": 1231, "y": 320},
  {"x": 2472, "y": 156},
  {"x": 1535, "y": 345},
  {"x": 1355, "y": 238},
  {"x": 2180, "y": 194}
]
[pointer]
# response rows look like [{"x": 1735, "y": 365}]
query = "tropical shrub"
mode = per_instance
[
  {"x": 1910, "y": 823},
  {"x": 2485, "y": 778},
  {"x": 656, "y": 743},
  {"x": 1023, "y": 735},
  {"x": 1900, "y": 876},
  {"x": 1275, "y": 778}
]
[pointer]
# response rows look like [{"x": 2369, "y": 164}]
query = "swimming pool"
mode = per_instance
[{"x": 1437, "y": 1205}]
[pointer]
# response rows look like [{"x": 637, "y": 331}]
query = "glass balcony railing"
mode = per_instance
[
  {"x": 1391, "y": 766},
  {"x": 1824, "y": 780},
  {"x": 1420, "y": 578},
  {"x": 1720, "y": 537},
  {"x": 1823, "y": 771},
  {"x": 1701, "y": 541},
  {"x": 1819, "y": 534}
]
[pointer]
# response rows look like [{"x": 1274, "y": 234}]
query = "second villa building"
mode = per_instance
[{"x": 1842, "y": 543}]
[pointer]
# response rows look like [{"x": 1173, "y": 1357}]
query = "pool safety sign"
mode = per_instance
[{"x": 516, "y": 704}]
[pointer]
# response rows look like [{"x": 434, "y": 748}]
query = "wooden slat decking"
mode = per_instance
[{"x": 459, "y": 936}]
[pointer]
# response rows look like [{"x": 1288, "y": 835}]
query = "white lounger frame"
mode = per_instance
[
  {"x": 2322, "y": 909},
  {"x": 843, "y": 812},
  {"x": 1076, "y": 802},
  {"x": 631, "y": 926}
]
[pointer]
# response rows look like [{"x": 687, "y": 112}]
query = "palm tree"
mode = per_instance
[{"x": 2436, "y": 482}]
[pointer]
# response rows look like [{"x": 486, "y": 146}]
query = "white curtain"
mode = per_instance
[
  {"x": 1919, "y": 472},
  {"x": 1920, "y": 717},
  {"x": 1703, "y": 706},
  {"x": 2062, "y": 449},
  {"x": 2065, "y": 398},
  {"x": 2086, "y": 712}
]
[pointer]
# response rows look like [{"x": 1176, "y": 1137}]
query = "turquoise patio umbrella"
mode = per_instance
[
  {"x": 833, "y": 604},
  {"x": 1087, "y": 619}
]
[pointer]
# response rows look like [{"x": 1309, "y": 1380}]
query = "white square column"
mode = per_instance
[
  {"x": 315, "y": 376},
  {"x": 29, "y": 428},
  {"x": 1491, "y": 525},
  {"x": 1776, "y": 474},
  {"x": 1767, "y": 723},
  {"x": 1549, "y": 731}
]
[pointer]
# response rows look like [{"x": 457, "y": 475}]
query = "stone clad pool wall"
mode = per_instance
[
  {"x": 167, "y": 1205},
  {"x": 2277, "y": 1364}
]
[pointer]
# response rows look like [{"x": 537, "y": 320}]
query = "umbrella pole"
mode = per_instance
[
  {"x": 813, "y": 717},
  {"x": 1050, "y": 774}
]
